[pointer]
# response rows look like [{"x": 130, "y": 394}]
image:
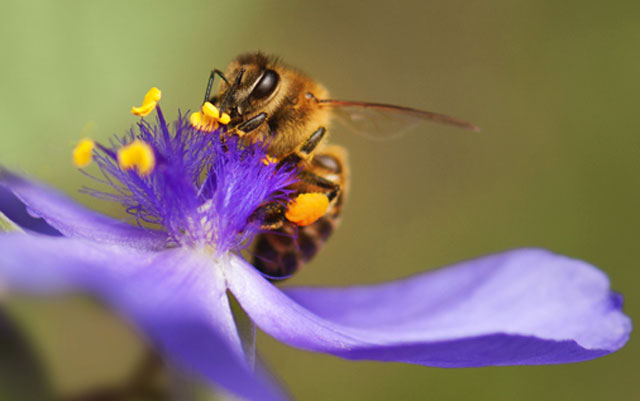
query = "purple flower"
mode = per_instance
[{"x": 171, "y": 272}]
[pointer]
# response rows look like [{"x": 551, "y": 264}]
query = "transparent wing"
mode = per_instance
[{"x": 384, "y": 121}]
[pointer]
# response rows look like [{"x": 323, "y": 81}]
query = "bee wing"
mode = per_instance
[{"x": 384, "y": 121}]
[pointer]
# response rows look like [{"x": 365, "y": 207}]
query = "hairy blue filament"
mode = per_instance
[{"x": 204, "y": 187}]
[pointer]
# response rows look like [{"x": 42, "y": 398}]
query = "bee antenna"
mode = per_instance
[
  {"x": 232, "y": 89},
  {"x": 207, "y": 93}
]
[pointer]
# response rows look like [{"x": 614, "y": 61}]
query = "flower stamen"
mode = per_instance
[
  {"x": 269, "y": 160},
  {"x": 208, "y": 117},
  {"x": 224, "y": 119},
  {"x": 202, "y": 122},
  {"x": 137, "y": 155},
  {"x": 307, "y": 208},
  {"x": 201, "y": 189},
  {"x": 149, "y": 102},
  {"x": 209, "y": 110},
  {"x": 82, "y": 153}
]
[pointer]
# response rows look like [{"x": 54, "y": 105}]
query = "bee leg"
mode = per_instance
[
  {"x": 281, "y": 252},
  {"x": 305, "y": 150},
  {"x": 316, "y": 183},
  {"x": 330, "y": 171},
  {"x": 269, "y": 216},
  {"x": 252, "y": 123},
  {"x": 246, "y": 127}
]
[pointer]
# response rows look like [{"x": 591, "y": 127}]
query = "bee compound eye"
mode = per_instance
[{"x": 266, "y": 85}]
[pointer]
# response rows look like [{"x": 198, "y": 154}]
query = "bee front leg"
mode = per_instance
[
  {"x": 248, "y": 126},
  {"x": 252, "y": 123}
]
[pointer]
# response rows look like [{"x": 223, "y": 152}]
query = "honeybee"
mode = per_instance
[{"x": 270, "y": 101}]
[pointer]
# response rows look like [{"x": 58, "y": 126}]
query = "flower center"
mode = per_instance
[{"x": 189, "y": 178}]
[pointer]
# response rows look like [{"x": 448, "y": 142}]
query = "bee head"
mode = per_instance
[{"x": 252, "y": 82}]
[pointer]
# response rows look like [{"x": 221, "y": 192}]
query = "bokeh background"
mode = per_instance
[{"x": 554, "y": 85}]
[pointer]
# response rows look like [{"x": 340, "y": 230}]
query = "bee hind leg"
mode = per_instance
[
  {"x": 317, "y": 183},
  {"x": 269, "y": 216},
  {"x": 284, "y": 249}
]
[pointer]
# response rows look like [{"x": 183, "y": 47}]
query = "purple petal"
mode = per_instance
[
  {"x": 17, "y": 212},
  {"x": 177, "y": 297},
  {"x": 73, "y": 220},
  {"x": 519, "y": 307}
]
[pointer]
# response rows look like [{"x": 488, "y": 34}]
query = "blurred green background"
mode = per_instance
[{"x": 554, "y": 86}]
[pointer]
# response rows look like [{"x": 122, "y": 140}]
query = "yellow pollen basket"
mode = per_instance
[
  {"x": 307, "y": 208},
  {"x": 208, "y": 117},
  {"x": 82, "y": 152},
  {"x": 137, "y": 155},
  {"x": 149, "y": 102}
]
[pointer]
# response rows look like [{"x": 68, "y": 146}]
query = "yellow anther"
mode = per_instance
[
  {"x": 307, "y": 208},
  {"x": 224, "y": 119},
  {"x": 137, "y": 155},
  {"x": 153, "y": 95},
  {"x": 82, "y": 152},
  {"x": 143, "y": 110},
  {"x": 202, "y": 122},
  {"x": 269, "y": 160},
  {"x": 149, "y": 102},
  {"x": 195, "y": 119},
  {"x": 210, "y": 110},
  {"x": 209, "y": 117}
]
